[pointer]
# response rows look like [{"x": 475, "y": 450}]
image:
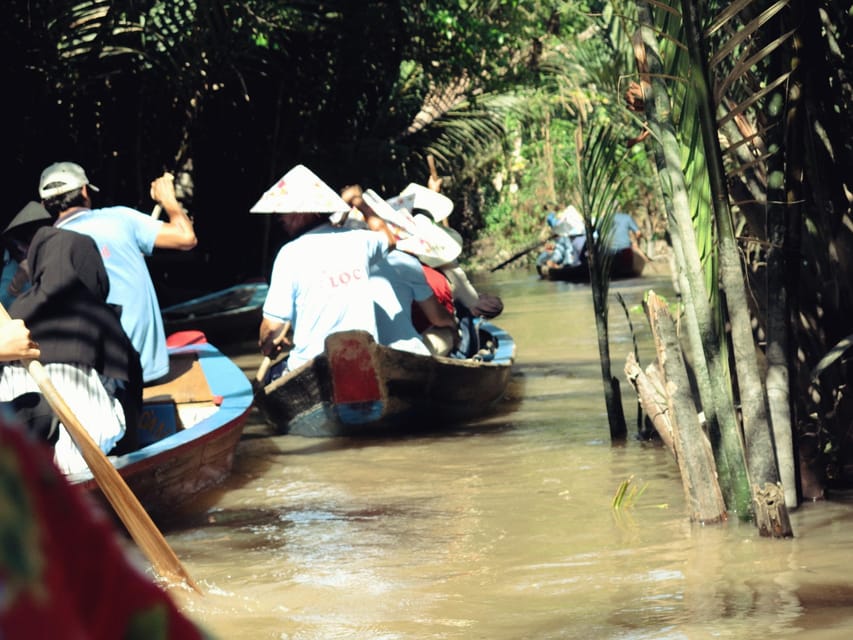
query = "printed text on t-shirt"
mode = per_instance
[{"x": 344, "y": 278}]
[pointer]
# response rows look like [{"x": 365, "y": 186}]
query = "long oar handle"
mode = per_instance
[
  {"x": 262, "y": 369},
  {"x": 431, "y": 164},
  {"x": 137, "y": 521},
  {"x": 522, "y": 253}
]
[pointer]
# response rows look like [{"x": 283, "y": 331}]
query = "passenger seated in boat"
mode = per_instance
[
  {"x": 565, "y": 250},
  {"x": 16, "y": 239},
  {"x": 82, "y": 344},
  {"x": 431, "y": 209},
  {"x": 399, "y": 285},
  {"x": 319, "y": 283},
  {"x": 440, "y": 340}
]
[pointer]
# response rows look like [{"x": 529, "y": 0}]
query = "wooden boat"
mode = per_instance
[
  {"x": 627, "y": 263},
  {"x": 223, "y": 316},
  {"x": 357, "y": 387},
  {"x": 190, "y": 427}
]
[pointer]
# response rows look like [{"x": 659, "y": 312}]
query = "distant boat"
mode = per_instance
[
  {"x": 358, "y": 387},
  {"x": 223, "y": 316},
  {"x": 627, "y": 263},
  {"x": 190, "y": 428}
]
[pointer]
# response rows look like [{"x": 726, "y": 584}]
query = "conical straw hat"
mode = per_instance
[
  {"x": 431, "y": 243},
  {"x": 401, "y": 218},
  {"x": 416, "y": 234},
  {"x": 438, "y": 205},
  {"x": 300, "y": 191},
  {"x": 32, "y": 212}
]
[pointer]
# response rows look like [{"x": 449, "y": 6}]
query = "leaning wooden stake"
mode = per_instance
[
  {"x": 693, "y": 450},
  {"x": 653, "y": 399},
  {"x": 137, "y": 521}
]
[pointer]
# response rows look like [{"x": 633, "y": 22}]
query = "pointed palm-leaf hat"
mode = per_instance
[{"x": 300, "y": 191}]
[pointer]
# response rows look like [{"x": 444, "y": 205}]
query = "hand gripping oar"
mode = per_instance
[{"x": 137, "y": 521}]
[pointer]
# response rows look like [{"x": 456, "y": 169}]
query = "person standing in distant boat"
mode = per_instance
[
  {"x": 623, "y": 237},
  {"x": 124, "y": 236},
  {"x": 624, "y": 232}
]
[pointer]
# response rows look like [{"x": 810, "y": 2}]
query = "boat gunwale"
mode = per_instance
[{"x": 237, "y": 401}]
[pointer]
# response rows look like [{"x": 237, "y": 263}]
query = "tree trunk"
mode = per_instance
[
  {"x": 759, "y": 447},
  {"x": 599, "y": 278},
  {"x": 778, "y": 347},
  {"x": 714, "y": 392}
]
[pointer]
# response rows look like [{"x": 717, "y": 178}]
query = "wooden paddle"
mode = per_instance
[
  {"x": 522, "y": 253},
  {"x": 137, "y": 521},
  {"x": 432, "y": 170}
]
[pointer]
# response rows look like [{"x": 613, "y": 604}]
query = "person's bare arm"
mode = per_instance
[
  {"x": 436, "y": 313},
  {"x": 273, "y": 337},
  {"x": 178, "y": 232},
  {"x": 352, "y": 196},
  {"x": 16, "y": 343}
]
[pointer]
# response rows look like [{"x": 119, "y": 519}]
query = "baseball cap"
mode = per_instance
[{"x": 62, "y": 177}]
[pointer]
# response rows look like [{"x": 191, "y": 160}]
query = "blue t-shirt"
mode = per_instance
[
  {"x": 620, "y": 238},
  {"x": 124, "y": 237},
  {"x": 397, "y": 282}
]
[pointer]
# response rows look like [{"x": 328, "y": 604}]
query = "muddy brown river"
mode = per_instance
[{"x": 503, "y": 529}]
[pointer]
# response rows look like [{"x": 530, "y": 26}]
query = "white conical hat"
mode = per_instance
[
  {"x": 300, "y": 191},
  {"x": 432, "y": 244},
  {"x": 401, "y": 201},
  {"x": 438, "y": 205},
  {"x": 400, "y": 218}
]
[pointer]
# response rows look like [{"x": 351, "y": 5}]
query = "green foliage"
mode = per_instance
[
  {"x": 627, "y": 494},
  {"x": 582, "y": 72}
]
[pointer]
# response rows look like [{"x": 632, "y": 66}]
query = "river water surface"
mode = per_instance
[{"x": 503, "y": 529}]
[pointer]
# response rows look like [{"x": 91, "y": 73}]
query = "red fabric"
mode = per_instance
[
  {"x": 185, "y": 338},
  {"x": 441, "y": 288},
  {"x": 63, "y": 571}
]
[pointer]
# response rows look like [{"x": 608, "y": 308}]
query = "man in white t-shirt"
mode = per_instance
[{"x": 320, "y": 279}]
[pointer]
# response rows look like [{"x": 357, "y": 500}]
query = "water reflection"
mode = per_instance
[{"x": 503, "y": 528}]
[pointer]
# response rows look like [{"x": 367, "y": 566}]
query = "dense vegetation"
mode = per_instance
[{"x": 506, "y": 95}]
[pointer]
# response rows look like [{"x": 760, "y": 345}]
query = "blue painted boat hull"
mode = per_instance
[{"x": 170, "y": 472}]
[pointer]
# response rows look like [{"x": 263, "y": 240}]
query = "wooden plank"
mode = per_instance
[{"x": 184, "y": 383}]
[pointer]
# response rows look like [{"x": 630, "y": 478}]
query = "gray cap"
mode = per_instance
[{"x": 62, "y": 177}]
